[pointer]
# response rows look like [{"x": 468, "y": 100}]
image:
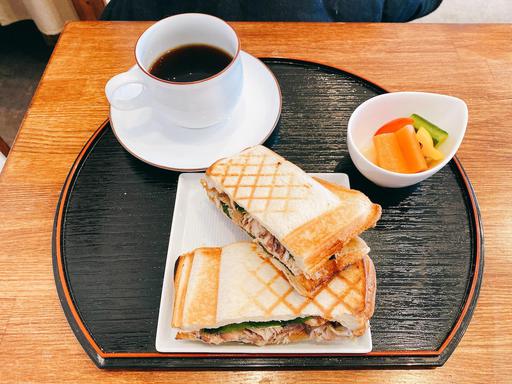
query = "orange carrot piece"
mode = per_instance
[
  {"x": 395, "y": 125},
  {"x": 389, "y": 154},
  {"x": 411, "y": 149}
]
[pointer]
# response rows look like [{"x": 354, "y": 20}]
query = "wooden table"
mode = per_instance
[{"x": 473, "y": 62}]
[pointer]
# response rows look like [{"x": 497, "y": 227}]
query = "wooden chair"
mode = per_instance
[{"x": 4, "y": 151}]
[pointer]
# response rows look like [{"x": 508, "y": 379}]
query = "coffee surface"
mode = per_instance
[{"x": 190, "y": 63}]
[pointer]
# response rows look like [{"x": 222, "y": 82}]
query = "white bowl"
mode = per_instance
[{"x": 447, "y": 112}]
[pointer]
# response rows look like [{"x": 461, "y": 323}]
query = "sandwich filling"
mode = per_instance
[
  {"x": 242, "y": 218},
  {"x": 271, "y": 332}
]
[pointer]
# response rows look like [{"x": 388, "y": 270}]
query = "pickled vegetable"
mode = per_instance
[
  {"x": 411, "y": 149},
  {"x": 389, "y": 154},
  {"x": 427, "y": 145},
  {"x": 395, "y": 125},
  {"x": 438, "y": 135}
]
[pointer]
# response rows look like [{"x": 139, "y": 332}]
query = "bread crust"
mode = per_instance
[
  {"x": 351, "y": 253},
  {"x": 181, "y": 277},
  {"x": 368, "y": 307},
  {"x": 196, "y": 287}
]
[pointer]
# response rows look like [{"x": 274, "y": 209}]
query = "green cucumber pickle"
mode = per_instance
[{"x": 438, "y": 135}]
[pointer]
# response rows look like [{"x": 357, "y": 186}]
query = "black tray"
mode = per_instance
[{"x": 114, "y": 215}]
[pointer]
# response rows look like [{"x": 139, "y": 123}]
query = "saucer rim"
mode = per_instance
[{"x": 278, "y": 115}]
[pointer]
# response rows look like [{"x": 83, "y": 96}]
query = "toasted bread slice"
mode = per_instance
[
  {"x": 215, "y": 287},
  {"x": 311, "y": 218}
]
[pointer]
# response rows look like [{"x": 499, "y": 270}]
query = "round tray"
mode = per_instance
[{"x": 114, "y": 215}]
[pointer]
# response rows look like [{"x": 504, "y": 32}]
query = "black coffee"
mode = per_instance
[{"x": 190, "y": 63}]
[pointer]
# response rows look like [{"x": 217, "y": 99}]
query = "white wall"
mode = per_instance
[{"x": 471, "y": 11}]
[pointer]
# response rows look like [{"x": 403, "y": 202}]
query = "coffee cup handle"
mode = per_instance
[{"x": 127, "y": 90}]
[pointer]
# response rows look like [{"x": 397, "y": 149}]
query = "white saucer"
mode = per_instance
[{"x": 172, "y": 147}]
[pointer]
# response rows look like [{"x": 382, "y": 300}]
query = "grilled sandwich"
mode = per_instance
[
  {"x": 302, "y": 222},
  {"x": 236, "y": 294}
]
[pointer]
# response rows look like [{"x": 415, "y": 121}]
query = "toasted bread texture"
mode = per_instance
[
  {"x": 326, "y": 235},
  {"x": 310, "y": 217},
  {"x": 351, "y": 253},
  {"x": 219, "y": 286}
]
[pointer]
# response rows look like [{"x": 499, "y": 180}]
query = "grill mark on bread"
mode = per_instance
[
  {"x": 268, "y": 284},
  {"x": 258, "y": 173},
  {"x": 221, "y": 169},
  {"x": 239, "y": 179},
  {"x": 338, "y": 299}
]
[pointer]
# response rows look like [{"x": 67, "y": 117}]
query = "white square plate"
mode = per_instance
[{"x": 198, "y": 223}]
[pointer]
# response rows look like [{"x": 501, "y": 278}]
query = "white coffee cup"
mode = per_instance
[{"x": 196, "y": 104}]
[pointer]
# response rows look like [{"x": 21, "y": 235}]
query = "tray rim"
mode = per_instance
[{"x": 108, "y": 359}]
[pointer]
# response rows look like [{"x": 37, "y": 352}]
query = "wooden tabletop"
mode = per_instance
[{"x": 473, "y": 62}]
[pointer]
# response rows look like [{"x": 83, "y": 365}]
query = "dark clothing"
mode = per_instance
[{"x": 274, "y": 10}]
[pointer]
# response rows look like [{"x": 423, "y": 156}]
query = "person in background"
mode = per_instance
[{"x": 275, "y": 10}]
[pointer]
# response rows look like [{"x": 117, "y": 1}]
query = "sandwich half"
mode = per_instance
[
  {"x": 236, "y": 294},
  {"x": 302, "y": 222}
]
